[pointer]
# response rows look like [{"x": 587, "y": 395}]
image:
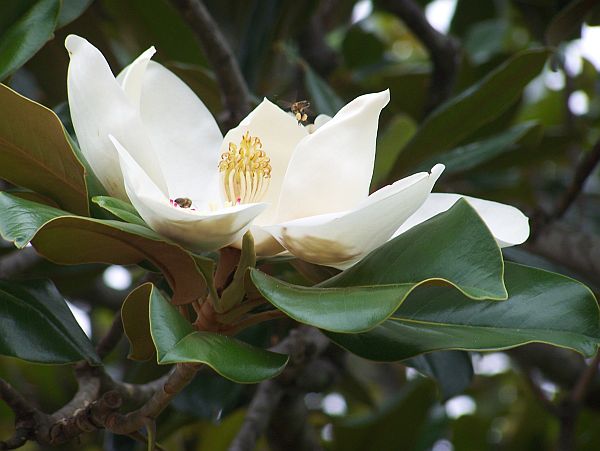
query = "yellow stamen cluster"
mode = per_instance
[{"x": 245, "y": 171}]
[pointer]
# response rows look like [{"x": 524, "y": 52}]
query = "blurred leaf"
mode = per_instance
[
  {"x": 436, "y": 318},
  {"x": 24, "y": 37},
  {"x": 452, "y": 370},
  {"x": 361, "y": 47},
  {"x": 176, "y": 341},
  {"x": 323, "y": 99},
  {"x": 471, "y": 155},
  {"x": 35, "y": 152},
  {"x": 135, "y": 314},
  {"x": 38, "y": 326},
  {"x": 389, "y": 145},
  {"x": 486, "y": 40},
  {"x": 453, "y": 248},
  {"x": 120, "y": 209},
  {"x": 67, "y": 239},
  {"x": 395, "y": 426},
  {"x": 462, "y": 115},
  {"x": 567, "y": 23},
  {"x": 71, "y": 10}
]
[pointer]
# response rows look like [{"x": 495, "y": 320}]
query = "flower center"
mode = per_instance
[{"x": 245, "y": 171}]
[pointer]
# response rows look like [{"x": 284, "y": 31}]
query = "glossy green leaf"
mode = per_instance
[
  {"x": 120, "y": 209},
  {"x": 67, "y": 239},
  {"x": 176, "y": 341},
  {"x": 454, "y": 247},
  {"x": 38, "y": 326},
  {"x": 35, "y": 152},
  {"x": 71, "y": 10},
  {"x": 452, "y": 370},
  {"x": 135, "y": 315},
  {"x": 24, "y": 37},
  {"x": 542, "y": 307},
  {"x": 471, "y": 155},
  {"x": 462, "y": 115}
]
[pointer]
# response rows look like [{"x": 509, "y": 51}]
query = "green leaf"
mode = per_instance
[
  {"x": 454, "y": 247},
  {"x": 71, "y": 10},
  {"x": 389, "y": 145},
  {"x": 566, "y": 24},
  {"x": 235, "y": 291},
  {"x": 24, "y": 37},
  {"x": 67, "y": 239},
  {"x": 471, "y": 155},
  {"x": 323, "y": 99},
  {"x": 452, "y": 370},
  {"x": 135, "y": 315},
  {"x": 464, "y": 114},
  {"x": 176, "y": 341},
  {"x": 542, "y": 307},
  {"x": 38, "y": 326},
  {"x": 35, "y": 152},
  {"x": 396, "y": 425},
  {"x": 120, "y": 209}
]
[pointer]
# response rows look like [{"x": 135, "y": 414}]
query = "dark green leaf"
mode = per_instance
[
  {"x": 454, "y": 247},
  {"x": 462, "y": 115},
  {"x": 323, "y": 99},
  {"x": 71, "y": 10},
  {"x": 27, "y": 35},
  {"x": 568, "y": 21},
  {"x": 176, "y": 341},
  {"x": 452, "y": 370},
  {"x": 389, "y": 145},
  {"x": 38, "y": 326},
  {"x": 67, "y": 239},
  {"x": 135, "y": 315},
  {"x": 542, "y": 307},
  {"x": 35, "y": 152}
]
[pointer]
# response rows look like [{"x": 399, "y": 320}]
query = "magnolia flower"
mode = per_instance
[{"x": 304, "y": 189}]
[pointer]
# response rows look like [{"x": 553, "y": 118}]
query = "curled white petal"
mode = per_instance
[
  {"x": 196, "y": 230},
  {"x": 341, "y": 239},
  {"x": 507, "y": 223},
  {"x": 331, "y": 169},
  {"x": 100, "y": 107}
]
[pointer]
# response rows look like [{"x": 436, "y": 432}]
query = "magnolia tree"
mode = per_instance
[{"x": 276, "y": 250}]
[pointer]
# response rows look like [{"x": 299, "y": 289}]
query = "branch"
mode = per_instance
[
  {"x": 582, "y": 171},
  {"x": 112, "y": 337},
  {"x": 181, "y": 376},
  {"x": 303, "y": 345},
  {"x": 235, "y": 93},
  {"x": 442, "y": 49}
]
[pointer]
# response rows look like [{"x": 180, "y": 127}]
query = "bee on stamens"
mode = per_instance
[
  {"x": 299, "y": 110},
  {"x": 183, "y": 202}
]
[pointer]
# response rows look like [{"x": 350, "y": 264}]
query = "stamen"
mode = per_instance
[{"x": 246, "y": 171}]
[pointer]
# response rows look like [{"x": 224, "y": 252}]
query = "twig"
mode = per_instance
[
  {"x": 442, "y": 49},
  {"x": 582, "y": 171},
  {"x": 235, "y": 93},
  {"x": 585, "y": 380},
  {"x": 303, "y": 345},
  {"x": 182, "y": 375},
  {"x": 112, "y": 337}
]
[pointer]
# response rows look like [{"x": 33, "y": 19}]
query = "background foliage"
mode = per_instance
[{"x": 503, "y": 97}]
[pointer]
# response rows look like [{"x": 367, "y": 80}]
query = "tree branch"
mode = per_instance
[
  {"x": 112, "y": 337},
  {"x": 234, "y": 90},
  {"x": 442, "y": 49}
]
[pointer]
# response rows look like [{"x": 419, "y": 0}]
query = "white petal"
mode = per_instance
[
  {"x": 99, "y": 107},
  {"x": 507, "y": 223},
  {"x": 132, "y": 76},
  {"x": 279, "y": 133},
  {"x": 331, "y": 169},
  {"x": 184, "y": 134},
  {"x": 196, "y": 230},
  {"x": 341, "y": 239},
  {"x": 320, "y": 120}
]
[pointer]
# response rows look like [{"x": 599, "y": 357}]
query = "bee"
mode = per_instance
[
  {"x": 299, "y": 110},
  {"x": 183, "y": 202}
]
